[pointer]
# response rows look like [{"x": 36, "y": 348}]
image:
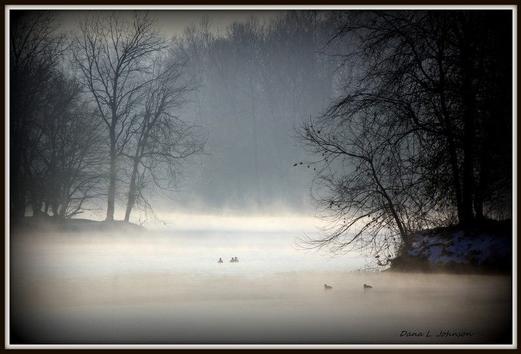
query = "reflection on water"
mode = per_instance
[{"x": 168, "y": 288}]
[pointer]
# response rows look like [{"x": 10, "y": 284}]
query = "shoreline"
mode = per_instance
[{"x": 47, "y": 224}]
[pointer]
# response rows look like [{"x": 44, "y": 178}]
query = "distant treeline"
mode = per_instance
[{"x": 257, "y": 82}]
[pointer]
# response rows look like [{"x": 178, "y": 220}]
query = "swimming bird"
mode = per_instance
[
  {"x": 220, "y": 260},
  {"x": 232, "y": 260},
  {"x": 236, "y": 259},
  {"x": 367, "y": 286},
  {"x": 327, "y": 287}
]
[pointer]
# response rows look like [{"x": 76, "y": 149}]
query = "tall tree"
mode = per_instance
[
  {"x": 70, "y": 150},
  {"x": 420, "y": 80},
  {"x": 112, "y": 52},
  {"x": 35, "y": 51},
  {"x": 160, "y": 139}
]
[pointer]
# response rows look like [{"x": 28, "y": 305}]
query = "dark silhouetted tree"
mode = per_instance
[
  {"x": 35, "y": 50},
  {"x": 423, "y": 79}
]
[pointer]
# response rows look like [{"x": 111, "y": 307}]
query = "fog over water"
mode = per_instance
[{"x": 166, "y": 287}]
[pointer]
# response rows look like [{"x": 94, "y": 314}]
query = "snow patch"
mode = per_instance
[{"x": 455, "y": 247}]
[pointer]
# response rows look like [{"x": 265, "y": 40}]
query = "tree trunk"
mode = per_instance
[
  {"x": 112, "y": 176},
  {"x": 132, "y": 190},
  {"x": 468, "y": 166},
  {"x": 140, "y": 149},
  {"x": 478, "y": 201},
  {"x": 112, "y": 184},
  {"x": 453, "y": 154},
  {"x": 37, "y": 205},
  {"x": 18, "y": 192},
  {"x": 469, "y": 111},
  {"x": 401, "y": 228},
  {"x": 18, "y": 185},
  {"x": 482, "y": 180},
  {"x": 456, "y": 183}
]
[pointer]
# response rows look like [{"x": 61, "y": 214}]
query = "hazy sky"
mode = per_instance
[{"x": 173, "y": 22}]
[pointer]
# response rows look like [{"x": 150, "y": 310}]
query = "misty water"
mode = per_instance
[{"x": 166, "y": 287}]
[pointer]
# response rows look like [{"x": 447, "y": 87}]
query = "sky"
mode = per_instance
[{"x": 172, "y": 23}]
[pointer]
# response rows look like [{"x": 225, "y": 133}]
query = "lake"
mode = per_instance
[{"x": 166, "y": 287}]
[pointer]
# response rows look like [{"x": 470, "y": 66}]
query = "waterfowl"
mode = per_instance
[
  {"x": 367, "y": 286},
  {"x": 327, "y": 287},
  {"x": 220, "y": 260}
]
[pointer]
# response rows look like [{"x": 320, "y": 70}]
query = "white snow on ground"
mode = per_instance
[{"x": 456, "y": 248}]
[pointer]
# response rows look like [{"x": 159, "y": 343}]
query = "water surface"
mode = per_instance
[{"x": 167, "y": 288}]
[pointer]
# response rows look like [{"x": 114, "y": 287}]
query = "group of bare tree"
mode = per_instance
[
  {"x": 54, "y": 142},
  {"x": 420, "y": 135},
  {"x": 94, "y": 111}
]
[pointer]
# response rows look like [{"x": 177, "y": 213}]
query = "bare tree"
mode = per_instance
[
  {"x": 406, "y": 126},
  {"x": 54, "y": 139},
  {"x": 159, "y": 138},
  {"x": 112, "y": 53},
  {"x": 71, "y": 150},
  {"x": 434, "y": 65},
  {"x": 369, "y": 182},
  {"x": 35, "y": 50}
]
